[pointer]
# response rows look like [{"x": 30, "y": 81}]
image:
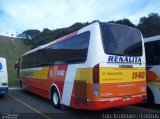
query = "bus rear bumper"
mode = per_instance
[
  {"x": 106, "y": 104},
  {"x": 110, "y": 103},
  {"x": 3, "y": 90}
]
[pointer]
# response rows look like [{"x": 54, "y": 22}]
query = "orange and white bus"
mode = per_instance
[
  {"x": 94, "y": 68},
  {"x": 152, "y": 47}
]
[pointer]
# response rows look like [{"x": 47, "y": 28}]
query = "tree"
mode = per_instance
[
  {"x": 30, "y": 34},
  {"x": 77, "y": 26},
  {"x": 125, "y": 22},
  {"x": 150, "y": 26},
  {"x": 48, "y": 35}
]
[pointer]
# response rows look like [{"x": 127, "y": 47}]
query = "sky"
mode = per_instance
[{"x": 17, "y": 16}]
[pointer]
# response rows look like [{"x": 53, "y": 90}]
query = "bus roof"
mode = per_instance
[{"x": 153, "y": 38}]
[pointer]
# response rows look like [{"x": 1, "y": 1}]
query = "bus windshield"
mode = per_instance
[{"x": 121, "y": 40}]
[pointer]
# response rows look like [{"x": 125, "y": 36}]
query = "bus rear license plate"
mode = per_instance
[{"x": 126, "y": 99}]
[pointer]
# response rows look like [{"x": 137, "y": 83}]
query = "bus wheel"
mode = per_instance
[
  {"x": 1, "y": 95},
  {"x": 150, "y": 98},
  {"x": 22, "y": 85},
  {"x": 55, "y": 99}
]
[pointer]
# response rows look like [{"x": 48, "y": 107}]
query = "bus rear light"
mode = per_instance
[
  {"x": 96, "y": 89},
  {"x": 96, "y": 74},
  {"x": 96, "y": 80}
]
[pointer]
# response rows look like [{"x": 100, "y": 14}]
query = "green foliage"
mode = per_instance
[
  {"x": 50, "y": 35},
  {"x": 31, "y": 33},
  {"x": 125, "y": 22},
  {"x": 150, "y": 26},
  {"x": 11, "y": 49}
]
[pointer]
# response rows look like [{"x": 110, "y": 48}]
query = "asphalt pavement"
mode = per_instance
[{"x": 20, "y": 104}]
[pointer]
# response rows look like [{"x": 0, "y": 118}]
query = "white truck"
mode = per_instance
[{"x": 3, "y": 77}]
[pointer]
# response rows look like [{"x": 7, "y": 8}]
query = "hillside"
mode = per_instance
[{"x": 11, "y": 49}]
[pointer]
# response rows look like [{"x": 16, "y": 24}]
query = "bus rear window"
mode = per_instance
[{"x": 121, "y": 40}]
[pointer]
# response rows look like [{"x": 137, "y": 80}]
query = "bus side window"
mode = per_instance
[
  {"x": 153, "y": 53},
  {"x": 156, "y": 58}
]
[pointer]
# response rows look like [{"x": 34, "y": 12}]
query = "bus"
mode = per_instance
[
  {"x": 3, "y": 77},
  {"x": 152, "y": 47},
  {"x": 97, "y": 67}
]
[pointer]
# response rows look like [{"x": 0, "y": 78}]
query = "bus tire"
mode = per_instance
[
  {"x": 55, "y": 99},
  {"x": 150, "y": 98},
  {"x": 2, "y": 95},
  {"x": 22, "y": 85}
]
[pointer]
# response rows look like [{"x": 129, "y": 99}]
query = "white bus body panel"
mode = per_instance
[
  {"x": 95, "y": 49},
  {"x": 3, "y": 76},
  {"x": 156, "y": 93},
  {"x": 154, "y": 86}
]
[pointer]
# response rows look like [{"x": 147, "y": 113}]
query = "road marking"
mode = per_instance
[
  {"x": 35, "y": 110},
  {"x": 150, "y": 110},
  {"x": 15, "y": 88}
]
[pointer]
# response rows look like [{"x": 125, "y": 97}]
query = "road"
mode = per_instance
[{"x": 20, "y": 104}]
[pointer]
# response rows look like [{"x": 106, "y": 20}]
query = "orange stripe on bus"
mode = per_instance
[{"x": 122, "y": 89}]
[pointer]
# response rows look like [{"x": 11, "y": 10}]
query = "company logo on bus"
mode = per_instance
[
  {"x": 124, "y": 59},
  {"x": 51, "y": 72},
  {"x": 60, "y": 73},
  {"x": 0, "y": 66}
]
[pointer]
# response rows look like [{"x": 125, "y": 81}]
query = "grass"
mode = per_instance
[{"x": 11, "y": 49}]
